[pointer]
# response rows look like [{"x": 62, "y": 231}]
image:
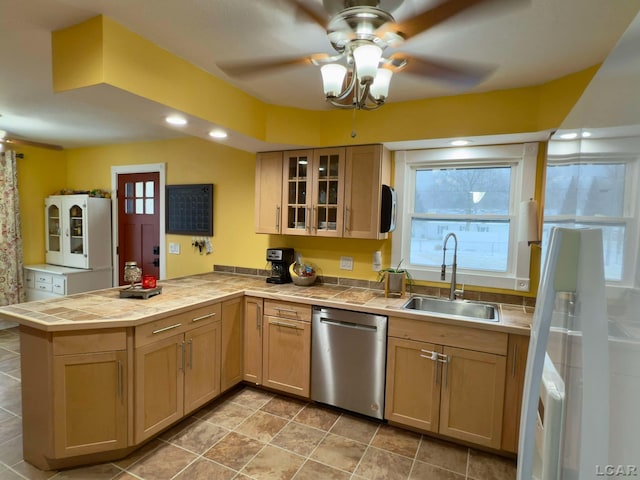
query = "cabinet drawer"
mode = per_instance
[
  {"x": 44, "y": 286},
  {"x": 451, "y": 335},
  {"x": 165, "y": 327},
  {"x": 43, "y": 277},
  {"x": 59, "y": 285},
  {"x": 107, "y": 340},
  {"x": 295, "y": 311}
]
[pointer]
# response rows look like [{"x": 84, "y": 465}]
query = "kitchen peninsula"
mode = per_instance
[{"x": 102, "y": 375}]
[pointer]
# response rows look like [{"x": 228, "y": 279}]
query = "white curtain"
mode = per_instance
[{"x": 11, "y": 275}]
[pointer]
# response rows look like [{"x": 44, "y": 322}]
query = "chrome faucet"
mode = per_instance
[{"x": 452, "y": 290}]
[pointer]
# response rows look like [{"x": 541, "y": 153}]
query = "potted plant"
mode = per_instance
[{"x": 395, "y": 280}]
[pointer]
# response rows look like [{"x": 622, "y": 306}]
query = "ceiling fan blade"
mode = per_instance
[
  {"x": 242, "y": 70},
  {"x": 459, "y": 74},
  {"x": 310, "y": 13},
  {"x": 430, "y": 18},
  {"x": 30, "y": 143}
]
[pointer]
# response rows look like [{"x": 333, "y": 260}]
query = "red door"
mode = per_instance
[{"x": 139, "y": 222}]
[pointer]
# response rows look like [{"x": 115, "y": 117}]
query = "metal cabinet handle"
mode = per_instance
[
  {"x": 445, "y": 359},
  {"x": 208, "y": 315},
  {"x": 170, "y": 327},
  {"x": 286, "y": 310},
  {"x": 287, "y": 325},
  {"x": 119, "y": 380},
  {"x": 181, "y": 346},
  {"x": 259, "y": 318},
  {"x": 435, "y": 357},
  {"x": 514, "y": 360},
  {"x": 191, "y": 354},
  {"x": 347, "y": 220},
  {"x": 278, "y": 218},
  {"x": 306, "y": 219}
]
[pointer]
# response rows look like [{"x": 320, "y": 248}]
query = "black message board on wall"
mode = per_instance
[{"x": 190, "y": 209}]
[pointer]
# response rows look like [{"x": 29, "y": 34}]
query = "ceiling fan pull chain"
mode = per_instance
[{"x": 353, "y": 123}]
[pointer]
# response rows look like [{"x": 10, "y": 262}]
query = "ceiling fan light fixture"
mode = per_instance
[
  {"x": 380, "y": 86},
  {"x": 367, "y": 58},
  {"x": 332, "y": 79}
]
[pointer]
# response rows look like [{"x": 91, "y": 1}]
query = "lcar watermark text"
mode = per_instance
[{"x": 617, "y": 470}]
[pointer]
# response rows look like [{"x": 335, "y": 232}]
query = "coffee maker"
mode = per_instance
[{"x": 280, "y": 259}]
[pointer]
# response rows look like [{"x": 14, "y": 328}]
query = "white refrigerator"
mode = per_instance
[{"x": 582, "y": 385}]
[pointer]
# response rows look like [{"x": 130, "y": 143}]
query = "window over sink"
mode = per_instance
[{"x": 474, "y": 192}]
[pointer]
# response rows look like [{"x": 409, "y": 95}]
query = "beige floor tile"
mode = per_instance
[
  {"x": 262, "y": 426},
  {"x": 10, "y": 427},
  {"x": 32, "y": 473},
  {"x": 7, "y": 474},
  {"x": 11, "y": 451},
  {"x": 203, "y": 469},
  {"x": 251, "y": 398},
  {"x": 484, "y": 466},
  {"x": 443, "y": 454},
  {"x": 377, "y": 464},
  {"x": 316, "y": 471},
  {"x": 234, "y": 450},
  {"x": 317, "y": 417},
  {"x": 228, "y": 415},
  {"x": 283, "y": 407},
  {"x": 298, "y": 438},
  {"x": 177, "y": 428},
  {"x": 425, "y": 471},
  {"x": 199, "y": 436},
  {"x": 125, "y": 476},
  {"x": 340, "y": 452},
  {"x": 105, "y": 471},
  {"x": 273, "y": 463},
  {"x": 397, "y": 441},
  {"x": 139, "y": 453},
  {"x": 163, "y": 463},
  {"x": 355, "y": 428}
]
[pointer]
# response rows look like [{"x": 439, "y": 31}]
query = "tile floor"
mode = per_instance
[{"x": 252, "y": 434}]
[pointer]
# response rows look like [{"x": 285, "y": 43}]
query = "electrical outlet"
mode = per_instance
[
  {"x": 522, "y": 285},
  {"x": 174, "y": 248},
  {"x": 346, "y": 263},
  {"x": 377, "y": 261}
]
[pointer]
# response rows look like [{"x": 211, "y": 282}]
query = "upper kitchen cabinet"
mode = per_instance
[
  {"x": 313, "y": 192},
  {"x": 368, "y": 167},
  {"x": 78, "y": 231},
  {"x": 329, "y": 192},
  {"x": 268, "y": 201}
]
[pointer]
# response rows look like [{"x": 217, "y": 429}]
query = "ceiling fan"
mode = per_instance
[
  {"x": 357, "y": 74},
  {"x": 10, "y": 140}
]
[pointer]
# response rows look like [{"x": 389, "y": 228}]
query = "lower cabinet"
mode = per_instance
[
  {"x": 456, "y": 389},
  {"x": 177, "y": 362},
  {"x": 516, "y": 367},
  {"x": 232, "y": 340},
  {"x": 277, "y": 343}
]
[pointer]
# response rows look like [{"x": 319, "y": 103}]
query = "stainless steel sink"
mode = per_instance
[{"x": 487, "y": 312}]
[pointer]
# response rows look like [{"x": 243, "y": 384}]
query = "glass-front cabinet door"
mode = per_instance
[
  {"x": 54, "y": 232},
  {"x": 328, "y": 192},
  {"x": 66, "y": 227},
  {"x": 76, "y": 233},
  {"x": 296, "y": 192}
]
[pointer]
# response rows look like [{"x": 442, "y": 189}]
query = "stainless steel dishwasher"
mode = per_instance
[{"x": 348, "y": 359}]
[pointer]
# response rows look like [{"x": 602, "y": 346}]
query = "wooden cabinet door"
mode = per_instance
[
  {"x": 268, "y": 192},
  {"x": 90, "y": 403},
  {"x": 297, "y": 186},
  {"x": 287, "y": 355},
  {"x": 232, "y": 339},
  {"x": 364, "y": 170},
  {"x": 159, "y": 385},
  {"x": 327, "y": 196},
  {"x": 252, "y": 368},
  {"x": 516, "y": 365},
  {"x": 202, "y": 365},
  {"x": 472, "y": 396},
  {"x": 413, "y": 384}
]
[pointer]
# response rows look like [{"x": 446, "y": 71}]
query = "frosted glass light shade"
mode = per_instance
[
  {"x": 332, "y": 78},
  {"x": 380, "y": 87},
  {"x": 367, "y": 57}
]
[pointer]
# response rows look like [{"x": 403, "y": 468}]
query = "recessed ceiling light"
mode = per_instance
[
  {"x": 218, "y": 134},
  {"x": 176, "y": 120},
  {"x": 569, "y": 136},
  {"x": 460, "y": 143},
  {"x": 586, "y": 134}
]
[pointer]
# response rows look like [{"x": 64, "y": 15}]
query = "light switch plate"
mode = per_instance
[
  {"x": 174, "y": 248},
  {"x": 346, "y": 263}
]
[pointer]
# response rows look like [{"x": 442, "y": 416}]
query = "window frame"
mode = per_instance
[
  {"x": 602, "y": 152},
  {"x": 521, "y": 157}
]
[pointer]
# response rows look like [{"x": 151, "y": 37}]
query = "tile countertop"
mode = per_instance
[{"x": 105, "y": 309}]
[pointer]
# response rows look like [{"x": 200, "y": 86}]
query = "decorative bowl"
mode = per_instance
[{"x": 302, "y": 280}]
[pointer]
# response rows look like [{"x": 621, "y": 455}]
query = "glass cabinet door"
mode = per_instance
[
  {"x": 76, "y": 230},
  {"x": 53, "y": 229},
  {"x": 297, "y": 208},
  {"x": 328, "y": 180}
]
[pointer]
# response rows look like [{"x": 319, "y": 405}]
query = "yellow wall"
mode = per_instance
[{"x": 40, "y": 173}]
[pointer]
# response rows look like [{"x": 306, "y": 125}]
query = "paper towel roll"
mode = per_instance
[{"x": 528, "y": 225}]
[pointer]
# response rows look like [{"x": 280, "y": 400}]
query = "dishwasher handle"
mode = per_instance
[{"x": 356, "y": 326}]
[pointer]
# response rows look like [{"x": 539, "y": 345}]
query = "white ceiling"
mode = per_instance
[{"x": 528, "y": 44}]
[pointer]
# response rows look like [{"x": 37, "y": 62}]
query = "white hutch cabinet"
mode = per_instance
[{"x": 78, "y": 248}]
